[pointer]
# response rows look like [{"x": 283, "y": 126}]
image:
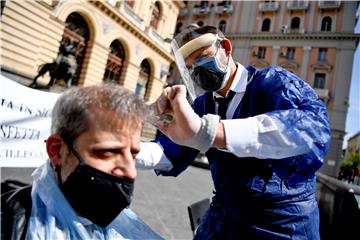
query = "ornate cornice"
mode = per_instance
[
  {"x": 114, "y": 15},
  {"x": 259, "y": 63},
  {"x": 322, "y": 66},
  {"x": 294, "y": 36},
  {"x": 289, "y": 65}
]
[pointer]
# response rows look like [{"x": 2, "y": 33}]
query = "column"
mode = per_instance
[
  {"x": 275, "y": 56},
  {"x": 304, "y": 64}
]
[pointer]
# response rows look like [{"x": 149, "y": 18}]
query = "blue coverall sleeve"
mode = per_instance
[{"x": 300, "y": 109}]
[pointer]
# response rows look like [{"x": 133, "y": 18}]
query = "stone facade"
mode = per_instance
[{"x": 32, "y": 31}]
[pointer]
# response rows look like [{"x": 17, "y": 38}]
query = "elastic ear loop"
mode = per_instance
[{"x": 58, "y": 173}]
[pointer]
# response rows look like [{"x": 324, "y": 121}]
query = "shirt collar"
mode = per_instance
[{"x": 240, "y": 81}]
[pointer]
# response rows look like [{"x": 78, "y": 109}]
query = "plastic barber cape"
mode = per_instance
[
  {"x": 263, "y": 198},
  {"x": 53, "y": 218}
]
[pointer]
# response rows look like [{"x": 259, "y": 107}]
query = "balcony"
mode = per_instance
[
  {"x": 183, "y": 12},
  {"x": 152, "y": 33},
  {"x": 329, "y": 4},
  {"x": 268, "y": 6},
  {"x": 129, "y": 14},
  {"x": 298, "y": 5},
  {"x": 322, "y": 93},
  {"x": 201, "y": 11},
  {"x": 224, "y": 9}
]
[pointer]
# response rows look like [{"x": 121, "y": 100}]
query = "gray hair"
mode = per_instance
[{"x": 70, "y": 115}]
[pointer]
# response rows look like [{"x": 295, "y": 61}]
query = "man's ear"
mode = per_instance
[
  {"x": 226, "y": 44},
  {"x": 54, "y": 144}
]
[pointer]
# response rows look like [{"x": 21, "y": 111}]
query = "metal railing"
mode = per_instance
[
  {"x": 224, "y": 9},
  {"x": 298, "y": 5},
  {"x": 329, "y": 4},
  {"x": 268, "y": 6}
]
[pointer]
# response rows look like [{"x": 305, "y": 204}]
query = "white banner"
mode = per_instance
[{"x": 25, "y": 118}]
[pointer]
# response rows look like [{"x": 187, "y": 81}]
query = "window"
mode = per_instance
[
  {"x": 322, "y": 54},
  {"x": 295, "y": 23},
  {"x": 319, "y": 81},
  {"x": 77, "y": 32},
  {"x": 269, "y": 3},
  {"x": 222, "y": 26},
  {"x": 326, "y": 24},
  {"x": 130, "y": 3},
  {"x": 290, "y": 53},
  {"x": 144, "y": 77},
  {"x": 261, "y": 52},
  {"x": 266, "y": 25},
  {"x": 155, "y": 16},
  {"x": 178, "y": 27},
  {"x": 224, "y": 3},
  {"x": 2, "y": 6},
  {"x": 115, "y": 62},
  {"x": 204, "y": 4}
]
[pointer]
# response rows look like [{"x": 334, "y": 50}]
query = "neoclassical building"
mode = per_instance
[
  {"x": 119, "y": 41},
  {"x": 313, "y": 39}
]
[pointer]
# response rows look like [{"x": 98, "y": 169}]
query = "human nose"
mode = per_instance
[{"x": 125, "y": 166}]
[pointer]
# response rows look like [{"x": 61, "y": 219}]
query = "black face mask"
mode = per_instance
[
  {"x": 209, "y": 76},
  {"x": 96, "y": 195}
]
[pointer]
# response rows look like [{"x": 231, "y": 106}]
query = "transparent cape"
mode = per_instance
[{"x": 53, "y": 218}]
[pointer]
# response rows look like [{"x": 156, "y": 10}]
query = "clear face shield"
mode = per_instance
[{"x": 204, "y": 73}]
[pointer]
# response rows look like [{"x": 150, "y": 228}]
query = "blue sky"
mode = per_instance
[{"x": 353, "y": 116}]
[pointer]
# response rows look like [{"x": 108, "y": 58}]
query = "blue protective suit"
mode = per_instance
[{"x": 263, "y": 198}]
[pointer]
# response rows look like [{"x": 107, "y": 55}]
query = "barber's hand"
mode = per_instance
[
  {"x": 187, "y": 128},
  {"x": 186, "y": 122}
]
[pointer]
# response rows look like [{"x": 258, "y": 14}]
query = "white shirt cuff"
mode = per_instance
[
  {"x": 151, "y": 156},
  {"x": 261, "y": 137},
  {"x": 241, "y": 136}
]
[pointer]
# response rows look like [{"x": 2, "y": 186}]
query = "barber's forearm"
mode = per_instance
[{"x": 220, "y": 139}]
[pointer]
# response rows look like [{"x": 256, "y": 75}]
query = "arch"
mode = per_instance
[
  {"x": 76, "y": 36},
  {"x": 265, "y": 27},
  {"x": 222, "y": 26},
  {"x": 115, "y": 62},
  {"x": 326, "y": 23},
  {"x": 295, "y": 23},
  {"x": 142, "y": 85},
  {"x": 67, "y": 8}
]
